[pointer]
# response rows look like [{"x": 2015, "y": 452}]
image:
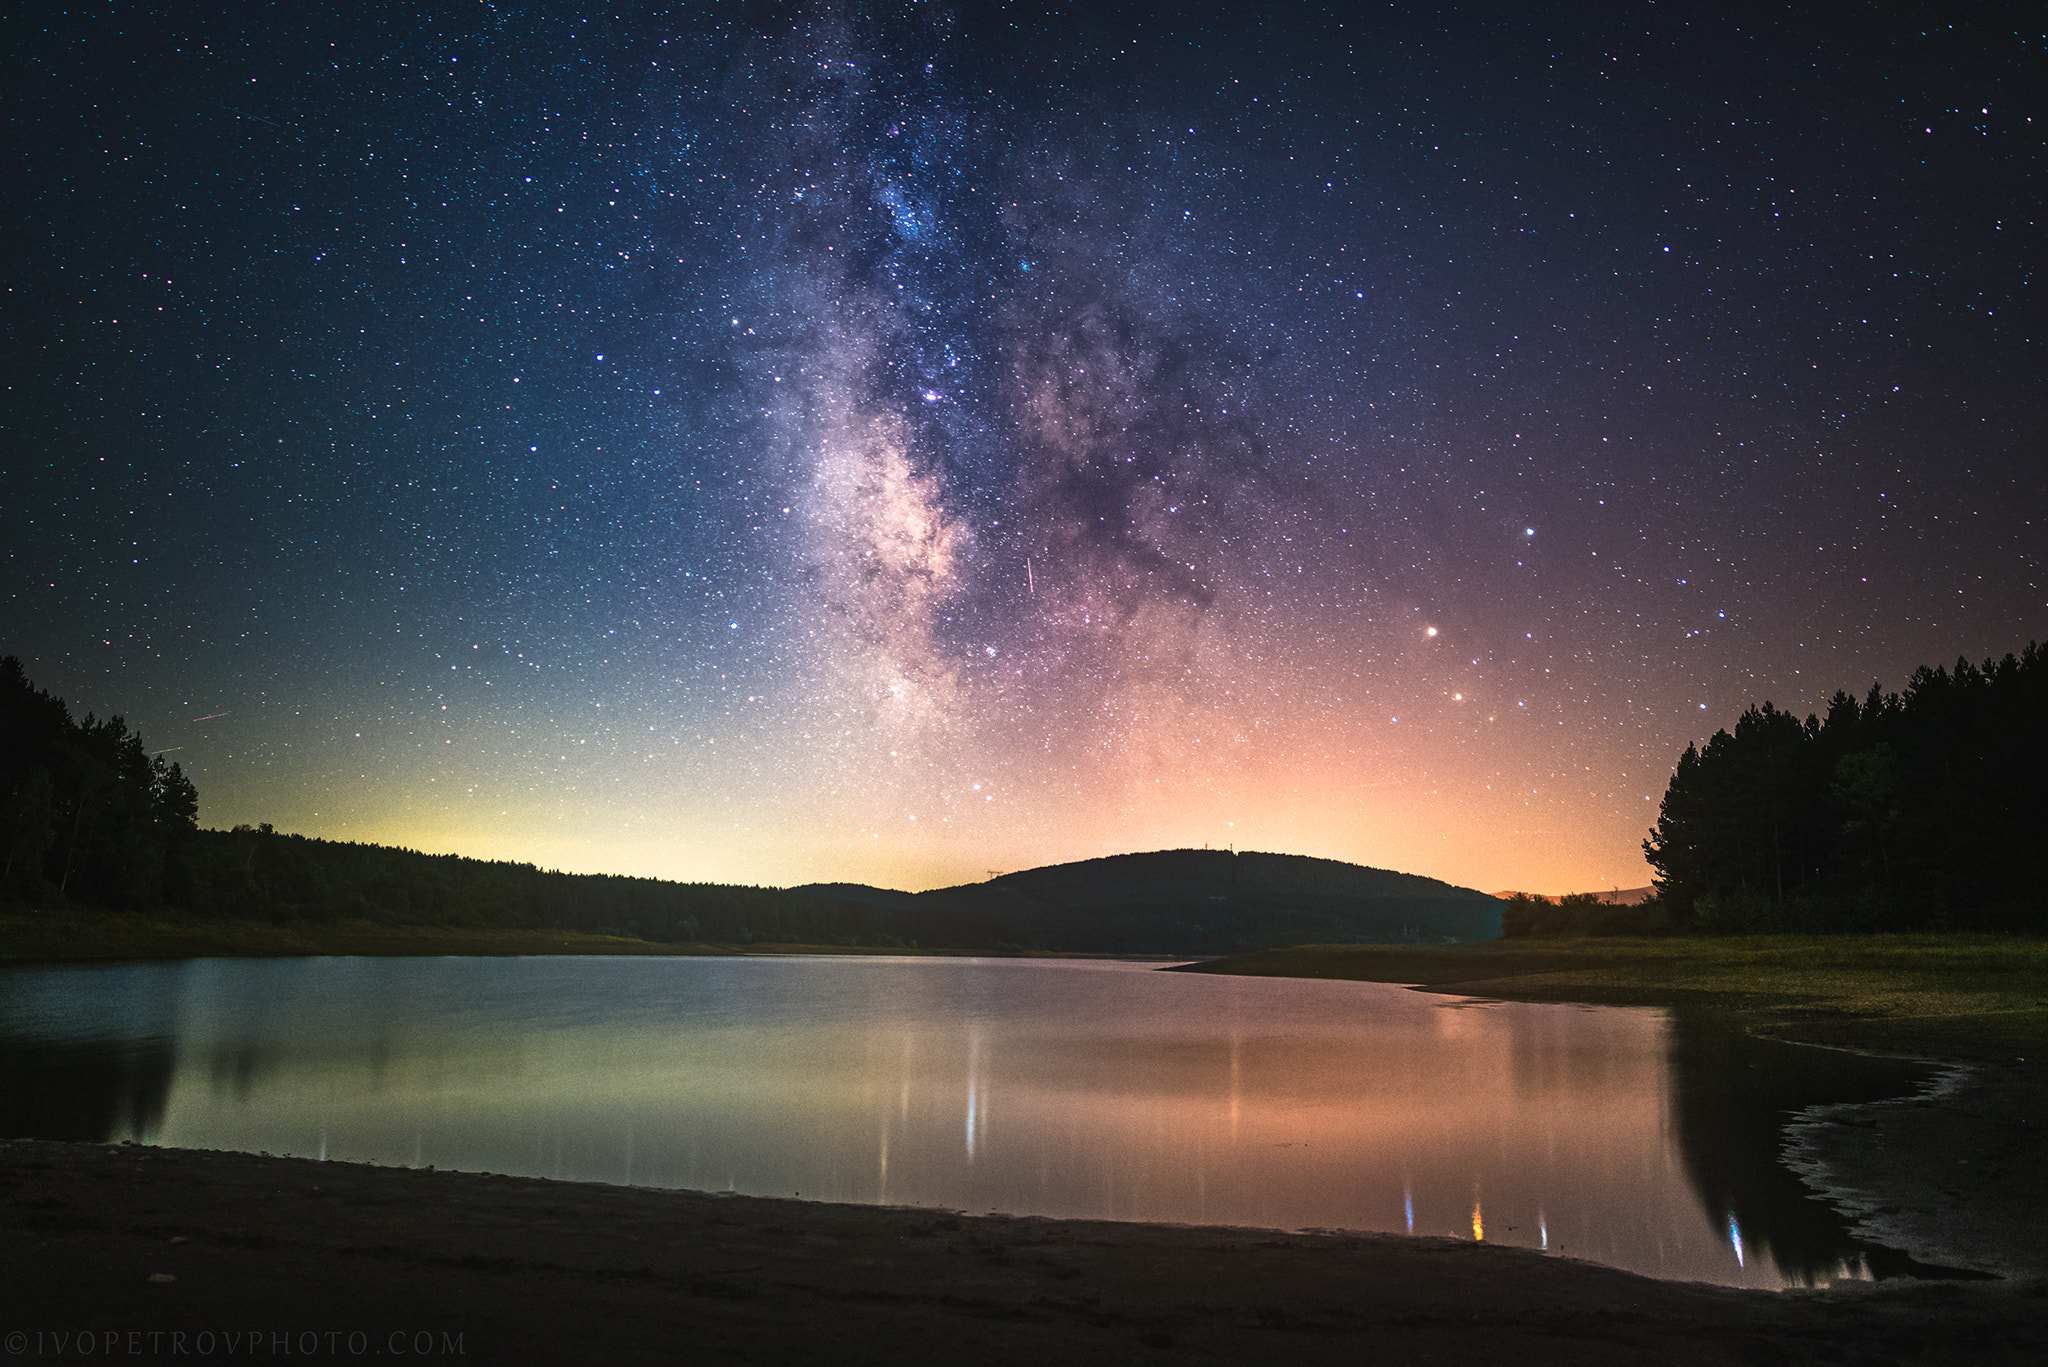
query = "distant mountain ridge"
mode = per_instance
[
  {"x": 1614, "y": 897},
  {"x": 1194, "y": 901}
]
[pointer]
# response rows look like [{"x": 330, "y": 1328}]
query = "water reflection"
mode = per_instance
[
  {"x": 1733, "y": 1094},
  {"x": 87, "y": 1056},
  {"x": 1065, "y": 1089},
  {"x": 93, "y": 1089}
]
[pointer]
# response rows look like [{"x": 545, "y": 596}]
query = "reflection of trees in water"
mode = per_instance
[
  {"x": 95, "y": 1090},
  {"x": 234, "y": 1070},
  {"x": 1732, "y": 1095}
]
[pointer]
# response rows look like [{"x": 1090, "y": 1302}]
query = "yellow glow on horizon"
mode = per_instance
[
  {"x": 1372, "y": 806},
  {"x": 1282, "y": 760}
]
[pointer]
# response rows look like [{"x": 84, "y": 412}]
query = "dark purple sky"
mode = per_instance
[{"x": 779, "y": 443}]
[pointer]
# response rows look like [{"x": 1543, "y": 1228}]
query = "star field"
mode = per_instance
[{"x": 785, "y": 443}]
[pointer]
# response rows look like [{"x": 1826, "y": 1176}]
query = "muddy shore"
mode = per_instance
[
  {"x": 334, "y": 1260},
  {"x": 1953, "y": 1176}
]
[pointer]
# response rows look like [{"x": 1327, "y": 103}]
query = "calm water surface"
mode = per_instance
[{"x": 1061, "y": 1088}]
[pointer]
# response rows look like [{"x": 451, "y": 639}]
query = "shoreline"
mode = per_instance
[
  {"x": 1949, "y": 1176},
  {"x": 29, "y": 941},
  {"x": 132, "y": 1240}
]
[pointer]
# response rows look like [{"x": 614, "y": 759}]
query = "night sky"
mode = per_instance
[{"x": 894, "y": 443}]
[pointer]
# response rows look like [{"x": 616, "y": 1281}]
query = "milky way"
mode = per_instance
[{"x": 890, "y": 443}]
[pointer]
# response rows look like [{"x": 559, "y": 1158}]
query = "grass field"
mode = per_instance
[{"x": 1963, "y": 996}]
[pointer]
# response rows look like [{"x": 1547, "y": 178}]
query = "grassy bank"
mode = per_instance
[
  {"x": 96, "y": 937},
  {"x": 88, "y": 937},
  {"x": 1960, "y": 996}
]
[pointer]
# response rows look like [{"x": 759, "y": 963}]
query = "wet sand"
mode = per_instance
[
  {"x": 1954, "y": 1177},
  {"x": 148, "y": 1244}
]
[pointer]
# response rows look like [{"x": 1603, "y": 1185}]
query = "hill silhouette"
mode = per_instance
[
  {"x": 1192, "y": 901},
  {"x": 88, "y": 819}
]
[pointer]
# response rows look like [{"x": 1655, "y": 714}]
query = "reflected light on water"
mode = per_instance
[{"x": 1094, "y": 1090}]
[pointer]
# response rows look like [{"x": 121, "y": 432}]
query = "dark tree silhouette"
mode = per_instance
[
  {"x": 1901, "y": 811},
  {"x": 89, "y": 816}
]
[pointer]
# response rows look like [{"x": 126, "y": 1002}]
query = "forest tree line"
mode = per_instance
[
  {"x": 1920, "y": 810},
  {"x": 86, "y": 814},
  {"x": 94, "y": 820},
  {"x": 1917, "y": 810},
  {"x": 89, "y": 818}
]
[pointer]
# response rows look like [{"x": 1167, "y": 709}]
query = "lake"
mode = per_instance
[{"x": 1068, "y": 1088}]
